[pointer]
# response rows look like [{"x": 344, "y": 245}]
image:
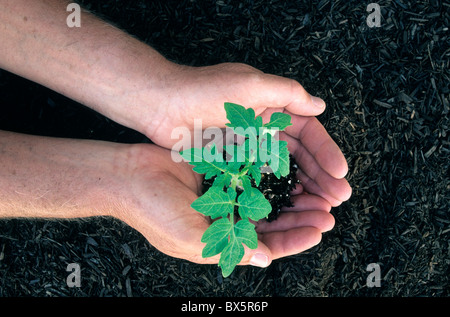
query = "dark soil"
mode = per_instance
[
  {"x": 387, "y": 93},
  {"x": 276, "y": 190}
]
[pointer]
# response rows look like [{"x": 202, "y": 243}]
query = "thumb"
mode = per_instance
[
  {"x": 260, "y": 257},
  {"x": 290, "y": 94}
]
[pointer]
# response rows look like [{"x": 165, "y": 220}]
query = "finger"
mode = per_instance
[
  {"x": 315, "y": 139},
  {"x": 314, "y": 178},
  {"x": 281, "y": 92},
  {"x": 321, "y": 220},
  {"x": 260, "y": 257},
  {"x": 304, "y": 202},
  {"x": 298, "y": 189},
  {"x": 339, "y": 188},
  {"x": 291, "y": 242}
]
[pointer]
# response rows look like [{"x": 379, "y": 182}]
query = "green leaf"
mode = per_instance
[
  {"x": 279, "y": 120},
  {"x": 211, "y": 168},
  {"x": 255, "y": 172},
  {"x": 245, "y": 182},
  {"x": 242, "y": 120},
  {"x": 215, "y": 202},
  {"x": 216, "y": 237},
  {"x": 259, "y": 149},
  {"x": 223, "y": 180},
  {"x": 239, "y": 116},
  {"x": 282, "y": 161},
  {"x": 245, "y": 233},
  {"x": 237, "y": 158},
  {"x": 276, "y": 155},
  {"x": 231, "y": 256},
  {"x": 252, "y": 204}
]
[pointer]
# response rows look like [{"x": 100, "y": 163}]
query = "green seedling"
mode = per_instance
[{"x": 234, "y": 200}]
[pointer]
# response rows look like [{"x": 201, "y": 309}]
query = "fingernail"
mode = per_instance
[
  {"x": 260, "y": 260},
  {"x": 318, "y": 102}
]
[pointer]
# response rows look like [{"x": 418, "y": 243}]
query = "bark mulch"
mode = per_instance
[{"x": 387, "y": 91}]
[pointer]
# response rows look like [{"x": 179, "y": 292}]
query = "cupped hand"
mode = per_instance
[
  {"x": 322, "y": 166},
  {"x": 160, "y": 191},
  {"x": 199, "y": 93}
]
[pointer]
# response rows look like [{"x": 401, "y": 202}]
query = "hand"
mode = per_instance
[
  {"x": 322, "y": 166},
  {"x": 191, "y": 93},
  {"x": 199, "y": 93},
  {"x": 159, "y": 193}
]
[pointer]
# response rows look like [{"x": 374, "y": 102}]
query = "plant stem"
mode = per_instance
[
  {"x": 233, "y": 186},
  {"x": 232, "y": 218}
]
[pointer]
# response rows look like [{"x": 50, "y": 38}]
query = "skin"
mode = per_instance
[{"x": 126, "y": 80}]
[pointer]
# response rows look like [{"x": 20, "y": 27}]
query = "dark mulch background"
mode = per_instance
[{"x": 387, "y": 91}]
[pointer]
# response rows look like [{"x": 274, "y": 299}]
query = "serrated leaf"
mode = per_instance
[
  {"x": 245, "y": 233},
  {"x": 246, "y": 183},
  {"x": 216, "y": 237},
  {"x": 255, "y": 172},
  {"x": 231, "y": 256},
  {"x": 239, "y": 116},
  {"x": 276, "y": 154},
  {"x": 282, "y": 161},
  {"x": 223, "y": 180},
  {"x": 195, "y": 157},
  {"x": 242, "y": 120},
  {"x": 279, "y": 120},
  {"x": 223, "y": 236},
  {"x": 234, "y": 167},
  {"x": 252, "y": 204},
  {"x": 215, "y": 202}
]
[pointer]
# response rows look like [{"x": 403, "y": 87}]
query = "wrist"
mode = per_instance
[
  {"x": 97, "y": 65},
  {"x": 45, "y": 177},
  {"x": 135, "y": 98},
  {"x": 130, "y": 188}
]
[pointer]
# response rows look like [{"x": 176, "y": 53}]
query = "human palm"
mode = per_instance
[
  {"x": 199, "y": 94},
  {"x": 163, "y": 190},
  {"x": 193, "y": 93}
]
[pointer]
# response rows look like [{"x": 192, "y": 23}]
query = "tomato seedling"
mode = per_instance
[{"x": 230, "y": 210}]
